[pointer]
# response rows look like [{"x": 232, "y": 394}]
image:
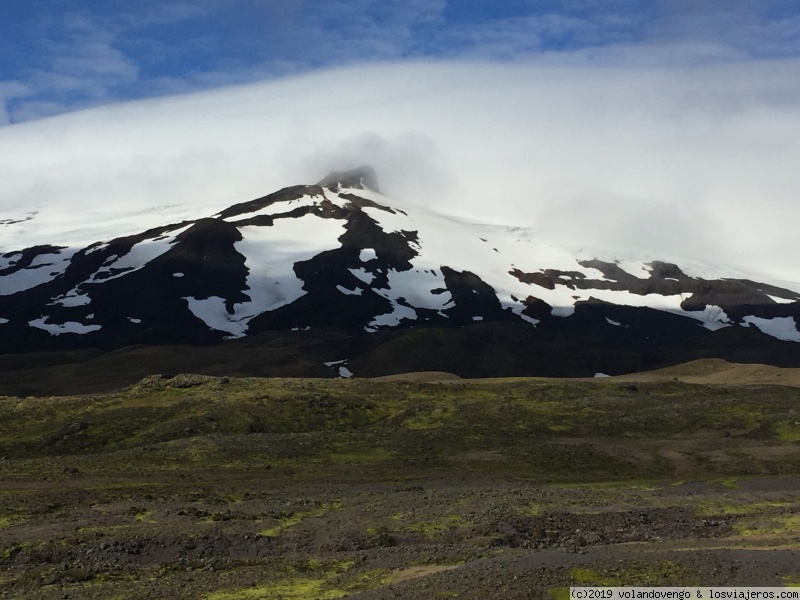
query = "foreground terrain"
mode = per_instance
[{"x": 422, "y": 486}]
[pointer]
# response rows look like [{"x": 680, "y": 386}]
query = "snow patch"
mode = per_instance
[
  {"x": 779, "y": 300},
  {"x": 340, "y": 367},
  {"x": 782, "y": 328},
  {"x": 179, "y": 275},
  {"x": 393, "y": 318},
  {"x": 614, "y": 323},
  {"x": 346, "y": 292},
  {"x": 95, "y": 249},
  {"x": 477, "y": 318},
  {"x": 416, "y": 288},
  {"x": 3, "y": 321},
  {"x": 68, "y": 327},
  {"x": 43, "y": 268},
  {"x": 601, "y": 375},
  {"x": 138, "y": 256},
  {"x": 367, "y": 254},
  {"x": 134, "y": 320},
  {"x": 10, "y": 260},
  {"x": 270, "y": 255},
  {"x": 363, "y": 275},
  {"x": 638, "y": 269},
  {"x": 713, "y": 317},
  {"x": 72, "y": 299},
  {"x": 213, "y": 313},
  {"x": 278, "y": 208}
]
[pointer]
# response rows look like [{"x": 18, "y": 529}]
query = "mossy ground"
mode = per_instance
[{"x": 251, "y": 488}]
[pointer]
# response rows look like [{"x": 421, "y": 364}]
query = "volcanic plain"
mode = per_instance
[{"x": 416, "y": 486}]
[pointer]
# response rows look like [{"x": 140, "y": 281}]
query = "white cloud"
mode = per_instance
[
  {"x": 668, "y": 162},
  {"x": 749, "y": 26},
  {"x": 87, "y": 58},
  {"x": 76, "y": 65},
  {"x": 10, "y": 90}
]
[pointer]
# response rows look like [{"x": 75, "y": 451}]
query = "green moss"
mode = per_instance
[
  {"x": 7, "y": 552},
  {"x": 558, "y": 593},
  {"x": 625, "y": 485},
  {"x": 295, "y": 518},
  {"x": 397, "y": 430},
  {"x": 319, "y": 579},
  {"x": 777, "y": 525},
  {"x": 788, "y": 432},
  {"x": 728, "y": 482},
  {"x": 368, "y": 580},
  {"x": 742, "y": 417},
  {"x": 639, "y": 573},
  {"x": 433, "y": 528},
  {"x": 435, "y": 413},
  {"x": 145, "y": 516},
  {"x": 11, "y": 520},
  {"x": 289, "y": 589},
  {"x": 559, "y": 427},
  {"x": 583, "y": 576},
  {"x": 727, "y": 507},
  {"x": 355, "y": 455}
]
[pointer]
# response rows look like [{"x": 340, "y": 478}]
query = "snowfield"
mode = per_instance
[
  {"x": 783, "y": 328},
  {"x": 270, "y": 254},
  {"x": 502, "y": 257},
  {"x": 490, "y": 252}
]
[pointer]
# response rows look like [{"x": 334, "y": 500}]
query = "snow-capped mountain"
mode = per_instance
[{"x": 340, "y": 256}]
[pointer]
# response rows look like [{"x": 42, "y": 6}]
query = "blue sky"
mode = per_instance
[{"x": 72, "y": 54}]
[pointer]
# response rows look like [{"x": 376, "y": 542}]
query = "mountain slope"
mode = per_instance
[{"x": 340, "y": 256}]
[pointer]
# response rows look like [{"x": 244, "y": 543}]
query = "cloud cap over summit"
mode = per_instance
[
  {"x": 674, "y": 163},
  {"x": 359, "y": 178}
]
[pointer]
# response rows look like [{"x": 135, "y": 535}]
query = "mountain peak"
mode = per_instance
[{"x": 361, "y": 177}]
